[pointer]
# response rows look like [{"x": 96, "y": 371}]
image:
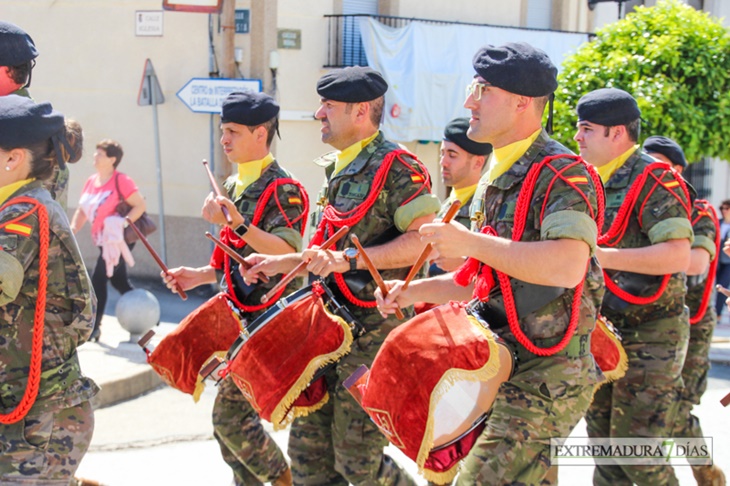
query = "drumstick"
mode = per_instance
[
  {"x": 157, "y": 258},
  {"x": 726, "y": 400},
  {"x": 453, "y": 209},
  {"x": 374, "y": 272},
  {"x": 292, "y": 275},
  {"x": 228, "y": 251},
  {"x": 217, "y": 191}
]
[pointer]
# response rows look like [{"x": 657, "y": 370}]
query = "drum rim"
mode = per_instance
[{"x": 482, "y": 418}]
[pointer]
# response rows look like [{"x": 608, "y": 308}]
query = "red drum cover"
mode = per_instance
[
  {"x": 211, "y": 328},
  {"x": 418, "y": 364},
  {"x": 607, "y": 350},
  {"x": 276, "y": 364}
]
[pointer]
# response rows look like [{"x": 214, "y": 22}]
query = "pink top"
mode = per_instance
[{"x": 98, "y": 203}]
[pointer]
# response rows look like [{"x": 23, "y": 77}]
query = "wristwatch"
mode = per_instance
[
  {"x": 241, "y": 229},
  {"x": 351, "y": 255}
]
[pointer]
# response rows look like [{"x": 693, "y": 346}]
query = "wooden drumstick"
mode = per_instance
[
  {"x": 157, "y": 258},
  {"x": 374, "y": 272},
  {"x": 726, "y": 400},
  {"x": 292, "y": 275},
  {"x": 228, "y": 251},
  {"x": 217, "y": 191},
  {"x": 453, "y": 209}
]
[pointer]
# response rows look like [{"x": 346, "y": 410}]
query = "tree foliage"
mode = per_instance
[{"x": 674, "y": 60}]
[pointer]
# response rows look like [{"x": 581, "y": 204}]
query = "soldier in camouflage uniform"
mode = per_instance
[
  {"x": 17, "y": 59},
  {"x": 703, "y": 321},
  {"x": 462, "y": 163},
  {"x": 339, "y": 444},
  {"x": 656, "y": 242},
  {"x": 42, "y": 441},
  {"x": 546, "y": 396},
  {"x": 249, "y": 122}
]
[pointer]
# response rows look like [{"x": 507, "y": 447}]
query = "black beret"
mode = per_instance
[
  {"x": 248, "y": 108},
  {"x": 354, "y": 84},
  {"x": 608, "y": 107},
  {"x": 667, "y": 147},
  {"x": 455, "y": 132},
  {"x": 24, "y": 122},
  {"x": 517, "y": 67},
  {"x": 16, "y": 46}
]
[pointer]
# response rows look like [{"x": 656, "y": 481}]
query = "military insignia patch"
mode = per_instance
[
  {"x": 295, "y": 200},
  {"x": 385, "y": 424},
  {"x": 19, "y": 229}
]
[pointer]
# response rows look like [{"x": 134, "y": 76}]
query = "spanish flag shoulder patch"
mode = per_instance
[
  {"x": 295, "y": 200},
  {"x": 578, "y": 179},
  {"x": 671, "y": 184},
  {"x": 19, "y": 229},
  {"x": 417, "y": 178}
]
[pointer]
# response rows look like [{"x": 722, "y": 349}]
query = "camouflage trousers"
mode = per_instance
[
  {"x": 339, "y": 444},
  {"x": 694, "y": 374},
  {"x": 545, "y": 399},
  {"x": 45, "y": 449},
  {"x": 245, "y": 446},
  {"x": 643, "y": 403}
]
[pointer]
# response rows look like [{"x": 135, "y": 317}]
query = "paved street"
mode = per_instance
[{"x": 163, "y": 438}]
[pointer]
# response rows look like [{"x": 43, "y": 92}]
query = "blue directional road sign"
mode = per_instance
[{"x": 205, "y": 95}]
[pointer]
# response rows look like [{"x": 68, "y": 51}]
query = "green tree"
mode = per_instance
[{"x": 674, "y": 60}]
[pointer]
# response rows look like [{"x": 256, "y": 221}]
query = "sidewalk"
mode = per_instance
[{"x": 120, "y": 367}]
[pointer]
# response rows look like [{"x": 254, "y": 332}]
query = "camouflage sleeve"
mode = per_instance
[
  {"x": 662, "y": 209},
  {"x": 18, "y": 249},
  {"x": 705, "y": 232},
  {"x": 408, "y": 196},
  {"x": 571, "y": 205},
  {"x": 283, "y": 216}
]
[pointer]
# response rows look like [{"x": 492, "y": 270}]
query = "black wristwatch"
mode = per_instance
[
  {"x": 351, "y": 255},
  {"x": 241, "y": 229}
]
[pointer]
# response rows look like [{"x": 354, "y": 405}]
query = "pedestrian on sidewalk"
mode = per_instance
[
  {"x": 46, "y": 305},
  {"x": 100, "y": 198},
  {"x": 723, "y": 266}
]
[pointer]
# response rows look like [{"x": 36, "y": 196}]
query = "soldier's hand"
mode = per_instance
[
  {"x": 448, "y": 239},
  {"x": 449, "y": 264},
  {"x": 397, "y": 298},
  {"x": 212, "y": 211},
  {"x": 269, "y": 265},
  {"x": 186, "y": 277},
  {"x": 324, "y": 262}
]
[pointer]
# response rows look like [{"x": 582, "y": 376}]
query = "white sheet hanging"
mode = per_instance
[{"x": 428, "y": 66}]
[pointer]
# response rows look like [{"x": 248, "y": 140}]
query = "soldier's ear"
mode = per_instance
[{"x": 17, "y": 159}]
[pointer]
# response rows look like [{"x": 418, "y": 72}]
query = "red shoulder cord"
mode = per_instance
[
  {"x": 34, "y": 377},
  {"x": 618, "y": 229},
  {"x": 485, "y": 282},
  {"x": 705, "y": 210},
  {"x": 332, "y": 219},
  {"x": 227, "y": 236}
]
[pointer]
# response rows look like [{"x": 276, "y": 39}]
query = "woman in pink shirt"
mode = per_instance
[{"x": 100, "y": 196}]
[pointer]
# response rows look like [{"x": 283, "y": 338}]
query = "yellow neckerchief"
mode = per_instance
[
  {"x": 503, "y": 158},
  {"x": 7, "y": 191},
  {"x": 249, "y": 172},
  {"x": 463, "y": 194},
  {"x": 607, "y": 170},
  {"x": 350, "y": 153}
]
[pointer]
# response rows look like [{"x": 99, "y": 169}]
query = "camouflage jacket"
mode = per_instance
[
  {"x": 705, "y": 231},
  {"x": 464, "y": 214},
  {"x": 70, "y": 309},
  {"x": 657, "y": 217},
  {"x": 566, "y": 216},
  {"x": 287, "y": 197},
  {"x": 57, "y": 185},
  {"x": 348, "y": 189}
]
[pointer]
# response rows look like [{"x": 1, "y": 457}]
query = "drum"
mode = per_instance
[
  {"x": 278, "y": 360},
  {"x": 206, "y": 332},
  {"x": 608, "y": 351},
  {"x": 432, "y": 384}
]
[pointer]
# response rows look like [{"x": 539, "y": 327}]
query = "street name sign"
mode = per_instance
[{"x": 205, "y": 95}]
